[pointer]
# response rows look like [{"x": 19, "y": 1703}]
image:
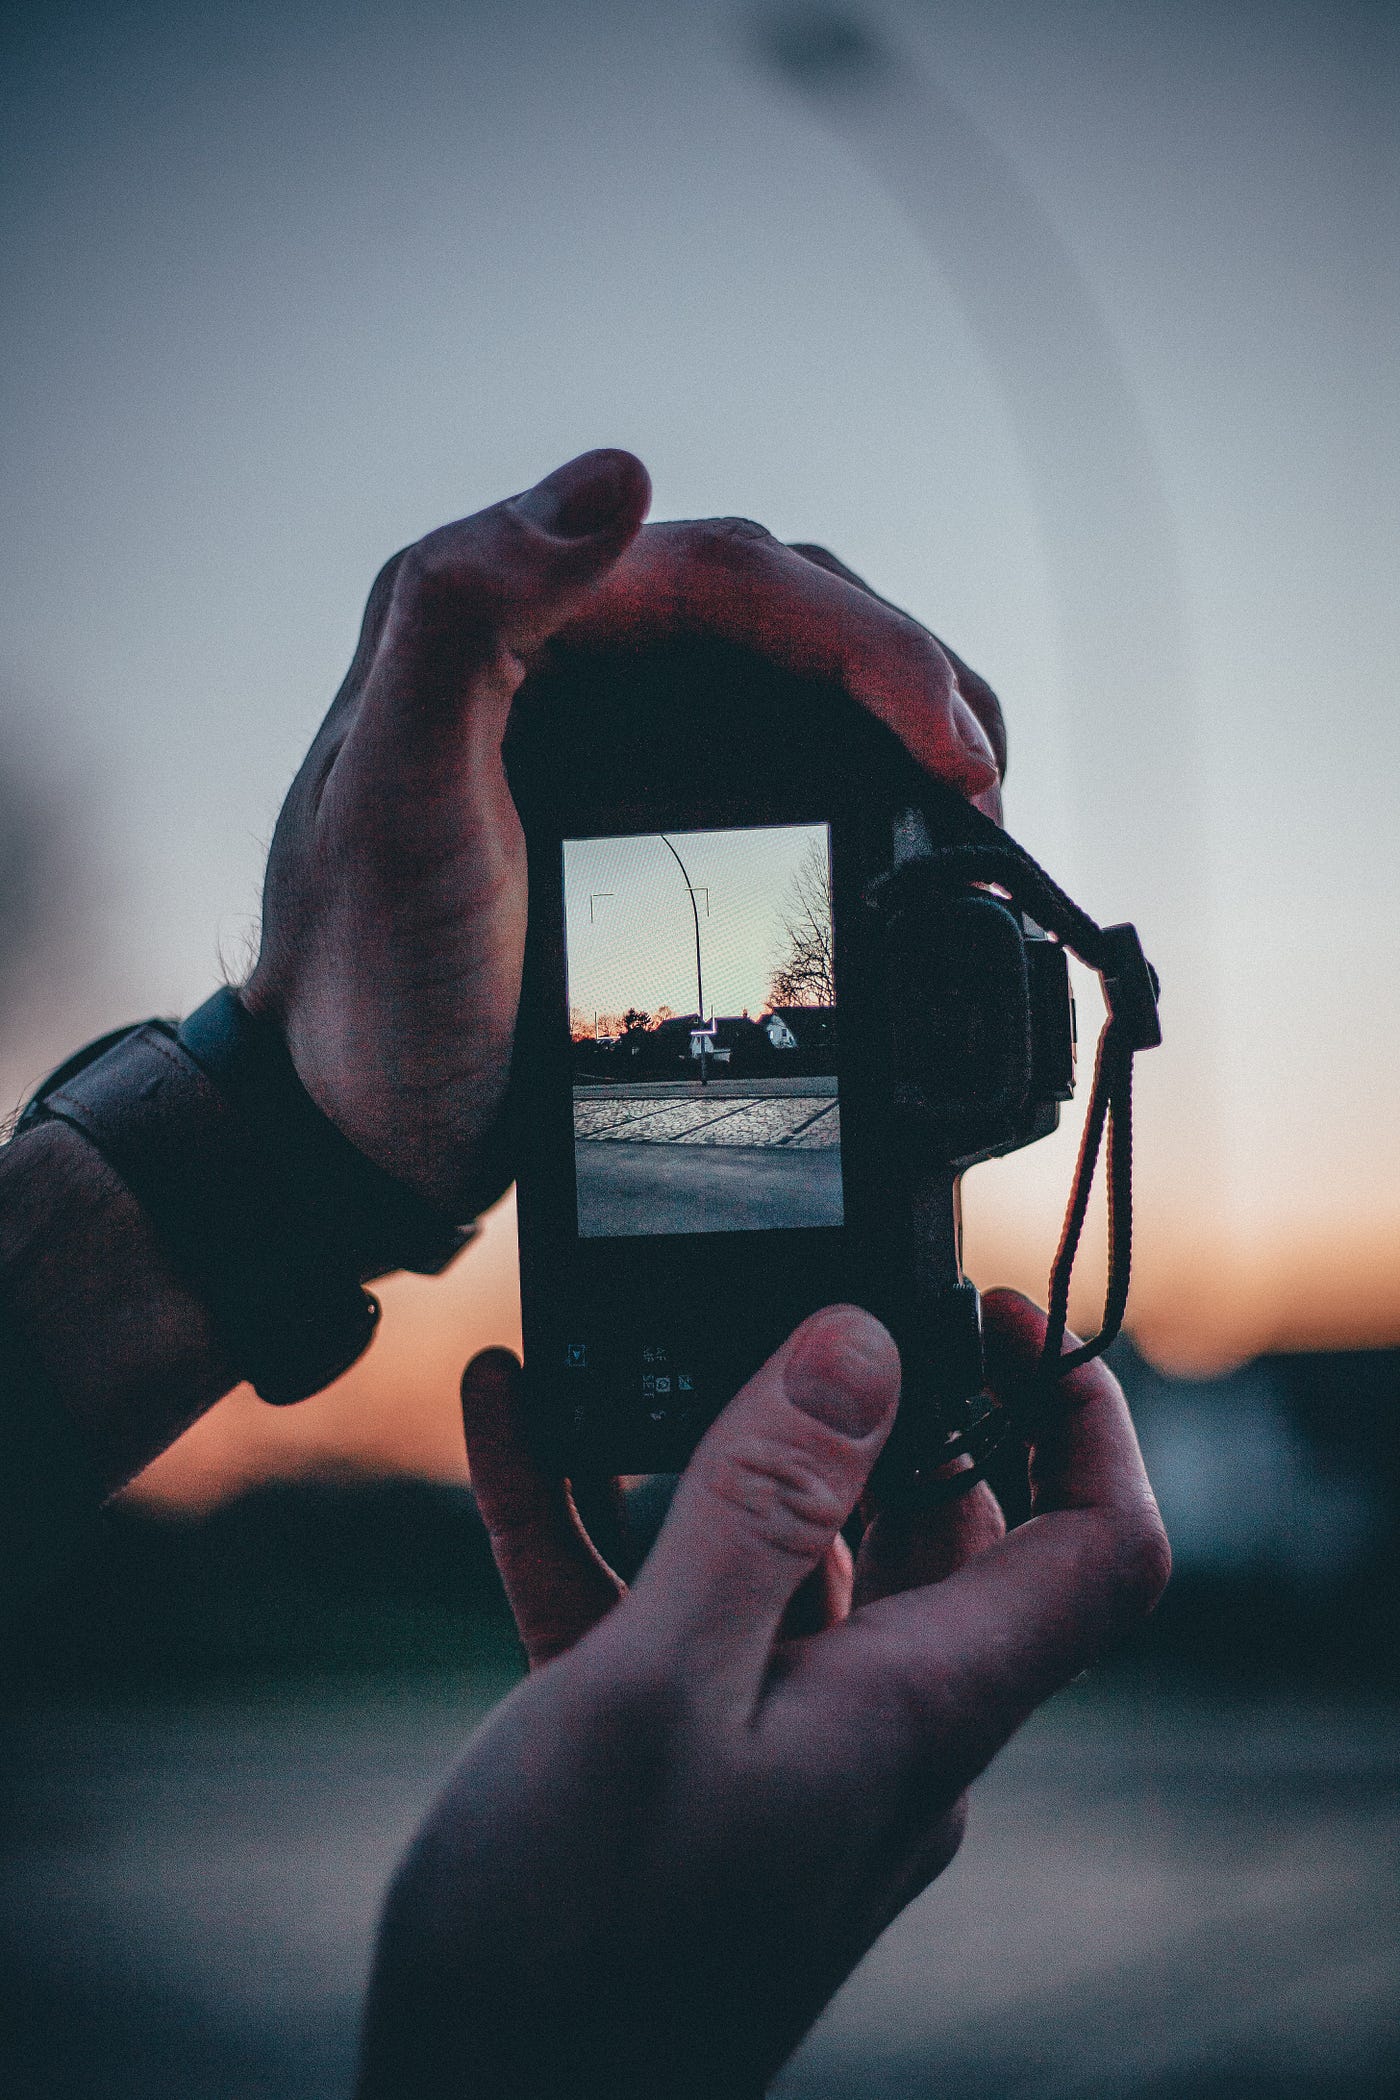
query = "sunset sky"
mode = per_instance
[{"x": 1072, "y": 328}]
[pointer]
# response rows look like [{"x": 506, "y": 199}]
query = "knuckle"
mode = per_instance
[
  {"x": 651, "y": 1695},
  {"x": 382, "y": 597},
  {"x": 732, "y": 540},
  {"x": 925, "y": 651},
  {"x": 944, "y": 1840},
  {"x": 927, "y": 1706},
  {"x": 429, "y": 573},
  {"x": 899, "y": 650},
  {"x": 385, "y": 583},
  {"x": 514, "y": 1524},
  {"x": 469, "y": 556},
  {"x": 447, "y": 598},
  {"x": 420, "y": 587},
  {"x": 418, "y": 567},
  {"x": 783, "y": 1494},
  {"x": 1151, "y": 1562},
  {"x": 1138, "y": 1555},
  {"x": 931, "y": 1712},
  {"x": 985, "y": 705}
]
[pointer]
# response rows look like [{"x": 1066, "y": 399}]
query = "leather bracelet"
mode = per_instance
[{"x": 269, "y": 1213}]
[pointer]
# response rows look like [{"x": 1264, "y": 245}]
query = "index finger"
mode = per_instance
[
  {"x": 975, "y": 1655},
  {"x": 728, "y": 578},
  {"x": 556, "y": 1582},
  {"x": 501, "y": 576},
  {"x": 973, "y": 687}
]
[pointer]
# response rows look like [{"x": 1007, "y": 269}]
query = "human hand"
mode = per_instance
[
  {"x": 394, "y": 908},
  {"x": 667, "y": 1848}
]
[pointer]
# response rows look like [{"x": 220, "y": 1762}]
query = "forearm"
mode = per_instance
[{"x": 127, "y": 1349}]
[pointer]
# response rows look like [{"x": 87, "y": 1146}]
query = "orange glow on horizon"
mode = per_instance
[{"x": 396, "y": 1411}]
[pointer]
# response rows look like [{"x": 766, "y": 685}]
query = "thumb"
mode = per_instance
[
  {"x": 766, "y": 1493},
  {"x": 471, "y": 600}
]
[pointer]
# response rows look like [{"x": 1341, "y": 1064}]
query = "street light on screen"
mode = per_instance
[{"x": 695, "y": 915}]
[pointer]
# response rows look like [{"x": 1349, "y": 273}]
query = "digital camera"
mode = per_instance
[{"x": 781, "y": 990}]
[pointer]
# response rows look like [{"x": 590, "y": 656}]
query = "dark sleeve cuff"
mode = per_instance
[{"x": 50, "y": 1495}]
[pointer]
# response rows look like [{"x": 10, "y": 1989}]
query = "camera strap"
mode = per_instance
[
  {"x": 991, "y": 860},
  {"x": 1131, "y": 990}
]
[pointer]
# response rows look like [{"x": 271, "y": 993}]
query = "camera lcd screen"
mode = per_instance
[{"x": 702, "y": 1017}]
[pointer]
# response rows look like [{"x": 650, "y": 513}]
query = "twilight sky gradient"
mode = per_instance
[
  {"x": 636, "y": 945},
  {"x": 1073, "y": 328}
]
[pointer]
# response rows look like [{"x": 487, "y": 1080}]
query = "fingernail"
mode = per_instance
[
  {"x": 583, "y": 497},
  {"x": 972, "y": 735},
  {"x": 844, "y": 1372}
]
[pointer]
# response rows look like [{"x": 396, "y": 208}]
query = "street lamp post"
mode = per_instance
[{"x": 695, "y": 915}]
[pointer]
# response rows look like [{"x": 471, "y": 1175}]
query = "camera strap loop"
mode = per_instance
[
  {"x": 1131, "y": 991},
  {"x": 1111, "y": 1107}
]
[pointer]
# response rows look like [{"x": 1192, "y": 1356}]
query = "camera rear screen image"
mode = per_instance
[{"x": 702, "y": 1017}]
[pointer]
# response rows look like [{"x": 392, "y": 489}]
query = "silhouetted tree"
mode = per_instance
[{"x": 804, "y": 974}]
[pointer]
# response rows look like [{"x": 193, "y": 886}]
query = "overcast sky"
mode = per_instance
[{"x": 1073, "y": 327}]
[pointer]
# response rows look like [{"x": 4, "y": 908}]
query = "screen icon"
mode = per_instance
[{"x": 576, "y": 1356}]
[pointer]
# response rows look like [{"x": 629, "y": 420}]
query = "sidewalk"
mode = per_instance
[{"x": 740, "y": 1117}]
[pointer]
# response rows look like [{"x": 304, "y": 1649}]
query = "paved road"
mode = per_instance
[
  {"x": 625, "y": 1190},
  {"x": 736, "y": 1156},
  {"x": 794, "y": 1121},
  {"x": 1159, "y": 1899}
]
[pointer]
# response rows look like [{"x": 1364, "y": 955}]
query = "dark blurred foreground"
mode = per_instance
[{"x": 1180, "y": 1880}]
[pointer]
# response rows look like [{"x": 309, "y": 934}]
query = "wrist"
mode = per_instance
[
  {"x": 368, "y": 1219},
  {"x": 267, "y": 1214},
  {"x": 366, "y": 1062},
  {"x": 127, "y": 1347}
]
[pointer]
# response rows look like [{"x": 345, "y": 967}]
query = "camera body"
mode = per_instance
[{"x": 762, "y": 1035}]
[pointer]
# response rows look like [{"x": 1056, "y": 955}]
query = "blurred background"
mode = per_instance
[{"x": 1071, "y": 327}]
